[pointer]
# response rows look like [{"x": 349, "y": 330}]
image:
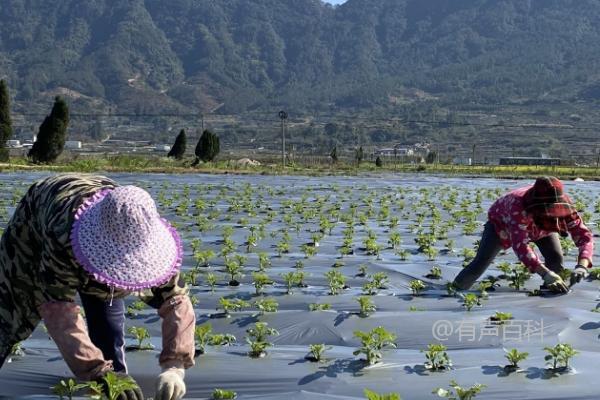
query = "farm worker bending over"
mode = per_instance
[
  {"x": 537, "y": 214},
  {"x": 77, "y": 234}
]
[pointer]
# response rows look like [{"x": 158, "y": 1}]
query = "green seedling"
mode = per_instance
[
  {"x": 395, "y": 240},
  {"x": 437, "y": 358},
  {"x": 257, "y": 339},
  {"x": 260, "y": 281},
  {"x": 319, "y": 307},
  {"x": 116, "y": 385},
  {"x": 234, "y": 269},
  {"x": 17, "y": 350},
  {"x": 263, "y": 261},
  {"x": 471, "y": 300},
  {"x": 459, "y": 393},
  {"x": 309, "y": 250},
  {"x": 560, "y": 355},
  {"x": 316, "y": 352},
  {"x": 204, "y": 257},
  {"x": 336, "y": 281},
  {"x": 514, "y": 357},
  {"x": 501, "y": 317},
  {"x": 194, "y": 300},
  {"x": 367, "y": 307},
  {"x": 404, "y": 254},
  {"x": 202, "y": 334},
  {"x": 67, "y": 388},
  {"x": 220, "y": 339},
  {"x": 140, "y": 334},
  {"x": 595, "y": 273},
  {"x": 371, "y": 395},
  {"x": 362, "y": 271},
  {"x": 517, "y": 276},
  {"x": 282, "y": 247},
  {"x": 291, "y": 280},
  {"x": 434, "y": 273},
  {"x": 211, "y": 281},
  {"x": 416, "y": 286},
  {"x": 266, "y": 306},
  {"x": 228, "y": 305},
  {"x": 373, "y": 343},
  {"x": 134, "y": 308},
  {"x": 222, "y": 394}
]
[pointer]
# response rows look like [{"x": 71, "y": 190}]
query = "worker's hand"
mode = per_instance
[
  {"x": 170, "y": 384},
  {"x": 579, "y": 273},
  {"x": 130, "y": 394},
  {"x": 555, "y": 283}
]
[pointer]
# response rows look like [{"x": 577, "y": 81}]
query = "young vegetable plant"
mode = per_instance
[
  {"x": 291, "y": 280},
  {"x": 437, "y": 358},
  {"x": 316, "y": 352},
  {"x": 234, "y": 269},
  {"x": 266, "y": 306},
  {"x": 228, "y": 305},
  {"x": 211, "y": 281},
  {"x": 116, "y": 385},
  {"x": 202, "y": 334},
  {"x": 260, "y": 281},
  {"x": 471, "y": 300},
  {"x": 140, "y": 334},
  {"x": 517, "y": 276},
  {"x": 134, "y": 308},
  {"x": 459, "y": 393},
  {"x": 501, "y": 317},
  {"x": 367, "y": 307},
  {"x": 514, "y": 357},
  {"x": 67, "y": 388},
  {"x": 222, "y": 394},
  {"x": 336, "y": 281},
  {"x": 434, "y": 273},
  {"x": 319, "y": 307},
  {"x": 257, "y": 339},
  {"x": 416, "y": 286},
  {"x": 362, "y": 271},
  {"x": 373, "y": 342},
  {"x": 560, "y": 355},
  {"x": 370, "y": 395}
]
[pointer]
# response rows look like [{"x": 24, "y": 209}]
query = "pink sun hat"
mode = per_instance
[{"x": 121, "y": 240}]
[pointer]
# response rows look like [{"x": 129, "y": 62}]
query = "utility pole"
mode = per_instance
[
  {"x": 283, "y": 116},
  {"x": 473, "y": 159},
  {"x": 202, "y": 121}
]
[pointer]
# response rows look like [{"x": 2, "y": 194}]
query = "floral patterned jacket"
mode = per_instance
[{"x": 516, "y": 229}]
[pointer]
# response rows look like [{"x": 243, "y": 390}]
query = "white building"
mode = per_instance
[{"x": 73, "y": 144}]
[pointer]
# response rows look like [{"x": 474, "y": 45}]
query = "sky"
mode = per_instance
[{"x": 335, "y": 1}]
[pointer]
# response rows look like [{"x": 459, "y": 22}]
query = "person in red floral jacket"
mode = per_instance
[{"x": 540, "y": 214}]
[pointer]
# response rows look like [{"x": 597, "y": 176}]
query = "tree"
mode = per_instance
[
  {"x": 5, "y": 122},
  {"x": 52, "y": 134},
  {"x": 178, "y": 149},
  {"x": 208, "y": 147},
  {"x": 359, "y": 155},
  {"x": 334, "y": 155},
  {"x": 378, "y": 162}
]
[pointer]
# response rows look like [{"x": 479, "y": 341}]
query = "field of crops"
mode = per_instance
[{"x": 279, "y": 266}]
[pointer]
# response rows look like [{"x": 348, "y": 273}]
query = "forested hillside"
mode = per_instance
[{"x": 237, "y": 55}]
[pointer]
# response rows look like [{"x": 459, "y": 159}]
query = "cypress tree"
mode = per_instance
[
  {"x": 178, "y": 149},
  {"x": 208, "y": 146},
  {"x": 52, "y": 134},
  {"x": 5, "y": 121},
  {"x": 359, "y": 155},
  {"x": 378, "y": 162},
  {"x": 334, "y": 155}
]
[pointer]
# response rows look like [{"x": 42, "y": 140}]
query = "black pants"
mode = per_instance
[
  {"x": 489, "y": 247},
  {"x": 106, "y": 324}
]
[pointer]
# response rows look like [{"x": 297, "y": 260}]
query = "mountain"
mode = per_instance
[{"x": 147, "y": 56}]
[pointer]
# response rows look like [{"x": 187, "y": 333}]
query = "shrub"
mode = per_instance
[{"x": 373, "y": 342}]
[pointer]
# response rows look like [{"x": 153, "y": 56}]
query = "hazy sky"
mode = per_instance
[{"x": 335, "y": 1}]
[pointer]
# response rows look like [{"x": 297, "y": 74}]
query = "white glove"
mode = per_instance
[{"x": 170, "y": 384}]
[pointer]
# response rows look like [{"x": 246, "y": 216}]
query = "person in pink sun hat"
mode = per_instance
[{"x": 80, "y": 235}]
